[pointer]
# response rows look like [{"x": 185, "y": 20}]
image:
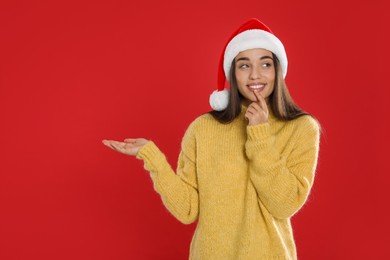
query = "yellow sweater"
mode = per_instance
[{"x": 242, "y": 183}]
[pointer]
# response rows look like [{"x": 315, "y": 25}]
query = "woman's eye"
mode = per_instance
[
  {"x": 266, "y": 65},
  {"x": 243, "y": 66}
]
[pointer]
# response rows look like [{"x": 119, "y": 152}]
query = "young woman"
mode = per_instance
[{"x": 246, "y": 167}]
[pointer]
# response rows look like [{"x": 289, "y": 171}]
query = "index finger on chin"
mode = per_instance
[{"x": 260, "y": 98}]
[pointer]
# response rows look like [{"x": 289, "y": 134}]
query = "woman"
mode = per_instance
[{"x": 248, "y": 166}]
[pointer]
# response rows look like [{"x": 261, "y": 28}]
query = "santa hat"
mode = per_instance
[{"x": 251, "y": 35}]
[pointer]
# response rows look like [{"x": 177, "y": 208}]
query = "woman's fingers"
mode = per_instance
[
  {"x": 255, "y": 107},
  {"x": 129, "y": 147},
  {"x": 116, "y": 145},
  {"x": 257, "y": 112},
  {"x": 108, "y": 144},
  {"x": 261, "y": 101}
]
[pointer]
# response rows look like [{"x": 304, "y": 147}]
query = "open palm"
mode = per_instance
[{"x": 129, "y": 146}]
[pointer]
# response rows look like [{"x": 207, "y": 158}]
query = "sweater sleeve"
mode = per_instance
[
  {"x": 283, "y": 183},
  {"x": 179, "y": 192}
]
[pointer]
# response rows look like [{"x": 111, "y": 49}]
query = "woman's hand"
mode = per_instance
[
  {"x": 257, "y": 112},
  {"x": 128, "y": 146}
]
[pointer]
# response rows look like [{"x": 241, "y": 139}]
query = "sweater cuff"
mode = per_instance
[
  {"x": 258, "y": 132},
  {"x": 151, "y": 155}
]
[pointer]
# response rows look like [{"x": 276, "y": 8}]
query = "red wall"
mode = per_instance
[{"x": 76, "y": 72}]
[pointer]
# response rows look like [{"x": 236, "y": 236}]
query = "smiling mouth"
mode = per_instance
[{"x": 258, "y": 87}]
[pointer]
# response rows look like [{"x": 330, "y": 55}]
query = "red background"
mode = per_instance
[{"x": 75, "y": 72}]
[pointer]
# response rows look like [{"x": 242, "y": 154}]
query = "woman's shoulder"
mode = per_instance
[
  {"x": 203, "y": 121},
  {"x": 308, "y": 120},
  {"x": 307, "y": 124},
  {"x": 197, "y": 129},
  {"x": 201, "y": 124}
]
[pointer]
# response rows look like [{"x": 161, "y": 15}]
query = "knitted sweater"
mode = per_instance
[{"x": 242, "y": 183}]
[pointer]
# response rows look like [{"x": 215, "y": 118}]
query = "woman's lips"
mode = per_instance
[{"x": 258, "y": 87}]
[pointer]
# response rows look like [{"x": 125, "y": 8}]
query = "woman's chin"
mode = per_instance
[{"x": 248, "y": 101}]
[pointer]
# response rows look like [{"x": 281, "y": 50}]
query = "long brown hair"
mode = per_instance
[{"x": 281, "y": 103}]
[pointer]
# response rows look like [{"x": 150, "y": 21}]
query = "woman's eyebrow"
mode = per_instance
[
  {"x": 266, "y": 57},
  {"x": 242, "y": 58},
  {"x": 261, "y": 58}
]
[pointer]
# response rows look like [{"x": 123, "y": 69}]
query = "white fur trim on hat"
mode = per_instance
[
  {"x": 252, "y": 39},
  {"x": 219, "y": 100}
]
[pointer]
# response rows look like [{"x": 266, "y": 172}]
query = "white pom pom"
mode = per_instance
[{"x": 219, "y": 100}]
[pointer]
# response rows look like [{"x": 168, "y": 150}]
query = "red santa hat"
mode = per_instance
[{"x": 251, "y": 35}]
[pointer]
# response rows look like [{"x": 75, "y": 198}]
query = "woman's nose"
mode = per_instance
[{"x": 255, "y": 74}]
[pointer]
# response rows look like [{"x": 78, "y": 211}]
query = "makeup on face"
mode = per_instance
[{"x": 255, "y": 72}]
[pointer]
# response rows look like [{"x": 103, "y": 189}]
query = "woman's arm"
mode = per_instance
[
  {"x": 283, "y": 184},
  {"x": 178, "y": 191}
]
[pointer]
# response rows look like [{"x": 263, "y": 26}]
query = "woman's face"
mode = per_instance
[{"x": 255, "y": 71}]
